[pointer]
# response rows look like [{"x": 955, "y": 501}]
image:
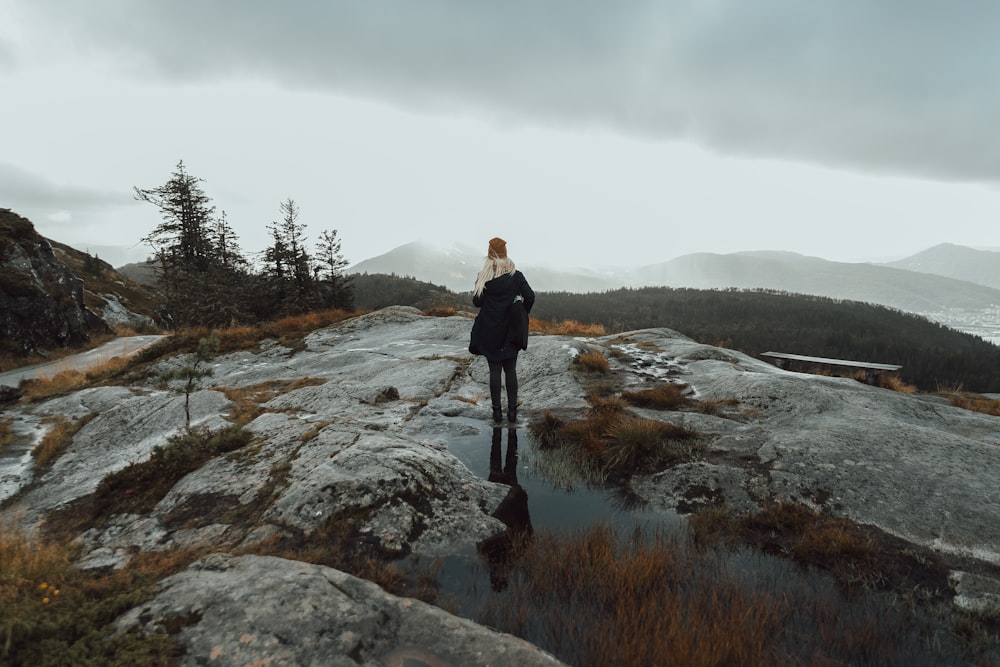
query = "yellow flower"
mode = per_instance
[
  {"x": 55, "y": 591},
  {"x": 44, "y": 586},
  {"x": 45, "y": 600}
]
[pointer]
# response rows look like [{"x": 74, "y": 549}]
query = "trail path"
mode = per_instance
[{"x": 119, "y": 347}]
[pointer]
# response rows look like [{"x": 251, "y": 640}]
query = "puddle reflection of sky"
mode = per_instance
[{"x": 551, "y": 507}]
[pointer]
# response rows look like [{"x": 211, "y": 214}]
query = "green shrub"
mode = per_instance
[{"x": 137, "y": 488}]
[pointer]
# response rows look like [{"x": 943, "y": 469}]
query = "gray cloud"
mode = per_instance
[
  {"x": 23, "y": 191},
  {"x": 903, "y": 86}
]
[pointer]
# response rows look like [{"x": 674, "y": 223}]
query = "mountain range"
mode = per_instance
[
  {"x": 954, "y": 285},
  {"x": 943, "y": 277}
]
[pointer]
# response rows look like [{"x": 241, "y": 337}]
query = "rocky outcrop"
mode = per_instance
[
  {"x": 355, "y": 422},
  {"x": 41, "y": 300},
  {"x": 259, "y": 604}
]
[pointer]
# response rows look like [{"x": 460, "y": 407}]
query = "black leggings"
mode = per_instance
[{"x": 509, "y": 367}]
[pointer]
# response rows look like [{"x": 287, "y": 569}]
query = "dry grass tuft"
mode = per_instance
[
  {"x": 895, "y": 383},
  {"x": 68, "y": 380},
  {"x": 247, "y": 400},
  {"x": 646, "y": 445},
  {"x": 440, "y": 311},
  {"x": 666, "y": 396},
  {"x": 810, "y": 537},
  {"x": 288, "y": 331},
  {"x": 889, "y": 381},
  {"x": 975, "y": 403},
  {"x": 6, "y": 434},
  {"x": 602, "y": 597},
  {"x": 314, "y": 431},
  {"x": 564, "y": 328},
  {"x": 57, "y": 440},
  {"x": 51, "y": 613},
  {"x": 609, "y": 440},
  {"x": 593, "y": 361},
  {"x": 598, "y": 599}
]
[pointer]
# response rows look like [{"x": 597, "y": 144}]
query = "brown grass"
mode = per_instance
[
  {"x": 889, "y": 381},
  {"x": 138, "y": 487},
  {"x": 593, "y": 361},
  {"x": 609, "y": 440},
  {"x": 895, "y": 383},
  {"x": 52, "y": 613},
  {"x": 314, "y": 431},
  {"x": 975, "y": 403},
  {"x": 289, "y": 331},
  {"x": 68, "y": 380},
  {"x": 666, "y": 396},
  {"x": 440, "y": 311},
  {"x": 57, "y": 440},
  {"x": 247, "y": 400},
  {"x": 6, "y": 434},
  {"x": 602, "y": 597},
  {"x": 598, "y": 599},
  {"x": 646, "y": 445},
  {"x": 564, "y": 328},
  {"x": 810, "y": 537}
]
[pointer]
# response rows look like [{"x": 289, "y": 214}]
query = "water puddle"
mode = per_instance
[
  {"x": 479, "y": 582},
  {"x": 509, "y": 456},
  {"x": 537, "y": 500}
]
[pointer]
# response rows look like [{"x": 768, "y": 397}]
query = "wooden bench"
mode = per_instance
[{"x": 783, "y": 360}]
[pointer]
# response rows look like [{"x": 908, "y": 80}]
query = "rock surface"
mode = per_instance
[
  {"x": 54, "y": 296},
  {"x": 41, "y": 300},
  {"x": 356, "y": 422},
  {"x": 259, "y": 609}
]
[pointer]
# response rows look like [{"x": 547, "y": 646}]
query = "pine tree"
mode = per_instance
[
  {"x": 200, "y": 260},
  {"x": 288, "y": 265},
  {"x": 182, "y": 239},
  {"x": 335, "y": 289}
]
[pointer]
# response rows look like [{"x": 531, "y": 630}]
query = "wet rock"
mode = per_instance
[
  {"x": 332, "y": 440},
  {"x": 41, "y": 300},
  {"x": 244, "y": 610}
]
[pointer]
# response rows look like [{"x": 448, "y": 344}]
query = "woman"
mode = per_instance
[{"x": 497, "y": 286}]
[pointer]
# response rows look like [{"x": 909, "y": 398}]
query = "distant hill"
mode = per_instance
[
  {"x": 790, "y": 272},
  {"x": 955, "y": 261},
  {"x": 896, "y": 287},
  {"x": 456, "y": 268},
  {"x": 145, "y": 273}
]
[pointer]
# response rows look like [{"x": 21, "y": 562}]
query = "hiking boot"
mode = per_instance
[
  {"x": 497, "y": 415},
  {"x": 512, "y": 416}
]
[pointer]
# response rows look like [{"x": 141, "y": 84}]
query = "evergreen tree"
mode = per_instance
[
  {"x": 200, "y": 260},
  {"x": 288, "y": 264},
  {"x": 182, "y": 239},
  {"x": 225, "y": 244},
  {"x": 335, "y": 289}
]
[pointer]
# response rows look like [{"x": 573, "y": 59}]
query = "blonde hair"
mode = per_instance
[{"x": 493, "y": 267}]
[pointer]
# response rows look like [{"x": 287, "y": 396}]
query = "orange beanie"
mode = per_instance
[{"x": 498, "y": 248}]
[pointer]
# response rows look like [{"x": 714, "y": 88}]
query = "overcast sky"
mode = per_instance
[{"x": 585, "y": 132}]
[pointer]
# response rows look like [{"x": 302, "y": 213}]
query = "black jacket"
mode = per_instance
[{"x": 492, "y": 335}]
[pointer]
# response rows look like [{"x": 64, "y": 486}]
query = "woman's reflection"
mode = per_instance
[{"x": 503, "y": 548}]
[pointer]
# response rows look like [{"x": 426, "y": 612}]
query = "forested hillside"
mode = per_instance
[{"x": 931, "y": 354}]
